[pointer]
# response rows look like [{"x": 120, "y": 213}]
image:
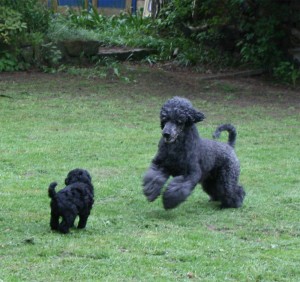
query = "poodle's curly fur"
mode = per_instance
[
  {"x": 192, "y": 160},
  {"x": 76, "y": 199}
]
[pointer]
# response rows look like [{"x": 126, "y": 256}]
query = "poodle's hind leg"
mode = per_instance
[
  {"x": 231, "y": 194},
  {"x": 209, "y": 186},
  {"x": 234, "y": 199},
  {"x": 154, "y": 180},
  {"x": 237, "y": 198}
]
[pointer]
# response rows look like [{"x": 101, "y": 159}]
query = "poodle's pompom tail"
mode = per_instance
[
  {"x": 231, "y": 131},
  {"x": 51, "y": 190}
]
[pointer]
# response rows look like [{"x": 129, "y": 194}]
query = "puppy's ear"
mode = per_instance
[
  {"x": 67, "y": 181},
  {"x": 88, "y": 176},
  {"x": 195, "y": 116}
]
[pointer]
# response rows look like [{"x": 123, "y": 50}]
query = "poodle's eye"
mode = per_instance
[
  {"x": 164, "y": 119},
  {"x": 180, "y": 122}
]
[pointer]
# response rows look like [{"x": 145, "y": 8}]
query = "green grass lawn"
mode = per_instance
[{"x": 51, "y": 124}]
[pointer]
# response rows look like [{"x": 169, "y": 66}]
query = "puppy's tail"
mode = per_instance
[
  {"x": 231, "y": 131},
  {"x": 51, "y": 190}
]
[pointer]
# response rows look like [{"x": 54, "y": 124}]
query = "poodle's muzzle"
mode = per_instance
[{"x": 170, "y": 132}]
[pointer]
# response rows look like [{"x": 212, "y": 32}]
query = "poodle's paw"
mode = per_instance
[
  {"x": 152, "y": 190},
  {"x": 234, "y": 200},
  {"x": 171, "y": 201},
  {"x": 153, "y": 182},
  {"x": 176, "y": 193}
]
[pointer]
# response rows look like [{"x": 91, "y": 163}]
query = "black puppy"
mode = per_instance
[{"x": 76, "y": 199}]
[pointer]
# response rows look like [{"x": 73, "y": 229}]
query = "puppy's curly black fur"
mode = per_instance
[
  {"x": 76, "y": 199},
  {"x": 183, "y": 154}
]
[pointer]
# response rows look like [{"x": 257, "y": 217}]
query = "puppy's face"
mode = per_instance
[
  {"x": 176, "y": 115},
  {"x": 78, "y": 175}
]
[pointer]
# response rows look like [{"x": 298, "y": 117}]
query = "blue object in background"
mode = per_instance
[
  {"x": 133, "y": 6},
  {"x": 70, "y": 3},
  {"x": 118, "y": 4},
  {"x": 121, "y": 4}
]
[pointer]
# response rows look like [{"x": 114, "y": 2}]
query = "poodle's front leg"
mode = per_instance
[
  {"x": 154, "y": 180},
  {"x": 179, "y": 189}
]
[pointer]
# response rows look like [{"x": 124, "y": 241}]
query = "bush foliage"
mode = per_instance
[
  {"x": 256, "y": 30},
  {"x": 34, "y": 13},
  {"x": 11, "y": 26},
  {"x": 22, "y": 24},
  {"x": 218, "y": 32}
]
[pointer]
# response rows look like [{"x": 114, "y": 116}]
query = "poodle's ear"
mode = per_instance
[
  {"x": 195, "y": 116},
  {"x": 198, "y": 116},
  {"x": 162, "y": 125}
]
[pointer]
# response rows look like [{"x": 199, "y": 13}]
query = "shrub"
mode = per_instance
[
  {"x": 34, "y": 13},
  {"x": 60, "y": 28},
  {"x": 12, "y": 29},
  {"x": 11, "y": 26},
  {"x": 22, "y": 24},
  {"x": 8, "y": 62},
  {"x": 87, "y": 19},
  {"x": 287, "y": 72},
  {"x": 261, "y": 43}
]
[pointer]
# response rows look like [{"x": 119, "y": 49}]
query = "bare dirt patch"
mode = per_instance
[
  {"x": 250, "y": 90},
  {"x": 159, "y": 81}
]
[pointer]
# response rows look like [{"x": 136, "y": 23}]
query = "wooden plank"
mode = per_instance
[
  {"x": 53, "y": 4},
  {"x": 128, "y": 6}
]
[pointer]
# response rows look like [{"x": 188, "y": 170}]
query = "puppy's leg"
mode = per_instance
[
  {"x": 64, "y": 227},
  {"x": 54, "y": 221},
  {"x": 179, "y": 189},
  {"x": 154, "y": 180},
  {"x": 83, "y": 217},
  {"x": 67, "y": 222}
]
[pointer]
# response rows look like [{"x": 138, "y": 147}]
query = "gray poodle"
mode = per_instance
[{"x": 192, "y": 160}]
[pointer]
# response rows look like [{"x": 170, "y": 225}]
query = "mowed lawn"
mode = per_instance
[{"x": 51, "y": 124}]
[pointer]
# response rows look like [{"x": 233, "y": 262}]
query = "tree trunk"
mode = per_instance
[{"x": 196, "y": 10}]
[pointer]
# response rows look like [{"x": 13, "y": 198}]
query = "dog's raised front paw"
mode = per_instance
[
  {"x": 176, "y": 193},
  {"x": 153, "y": 182},
  {"x": 151, "y": 191}
]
